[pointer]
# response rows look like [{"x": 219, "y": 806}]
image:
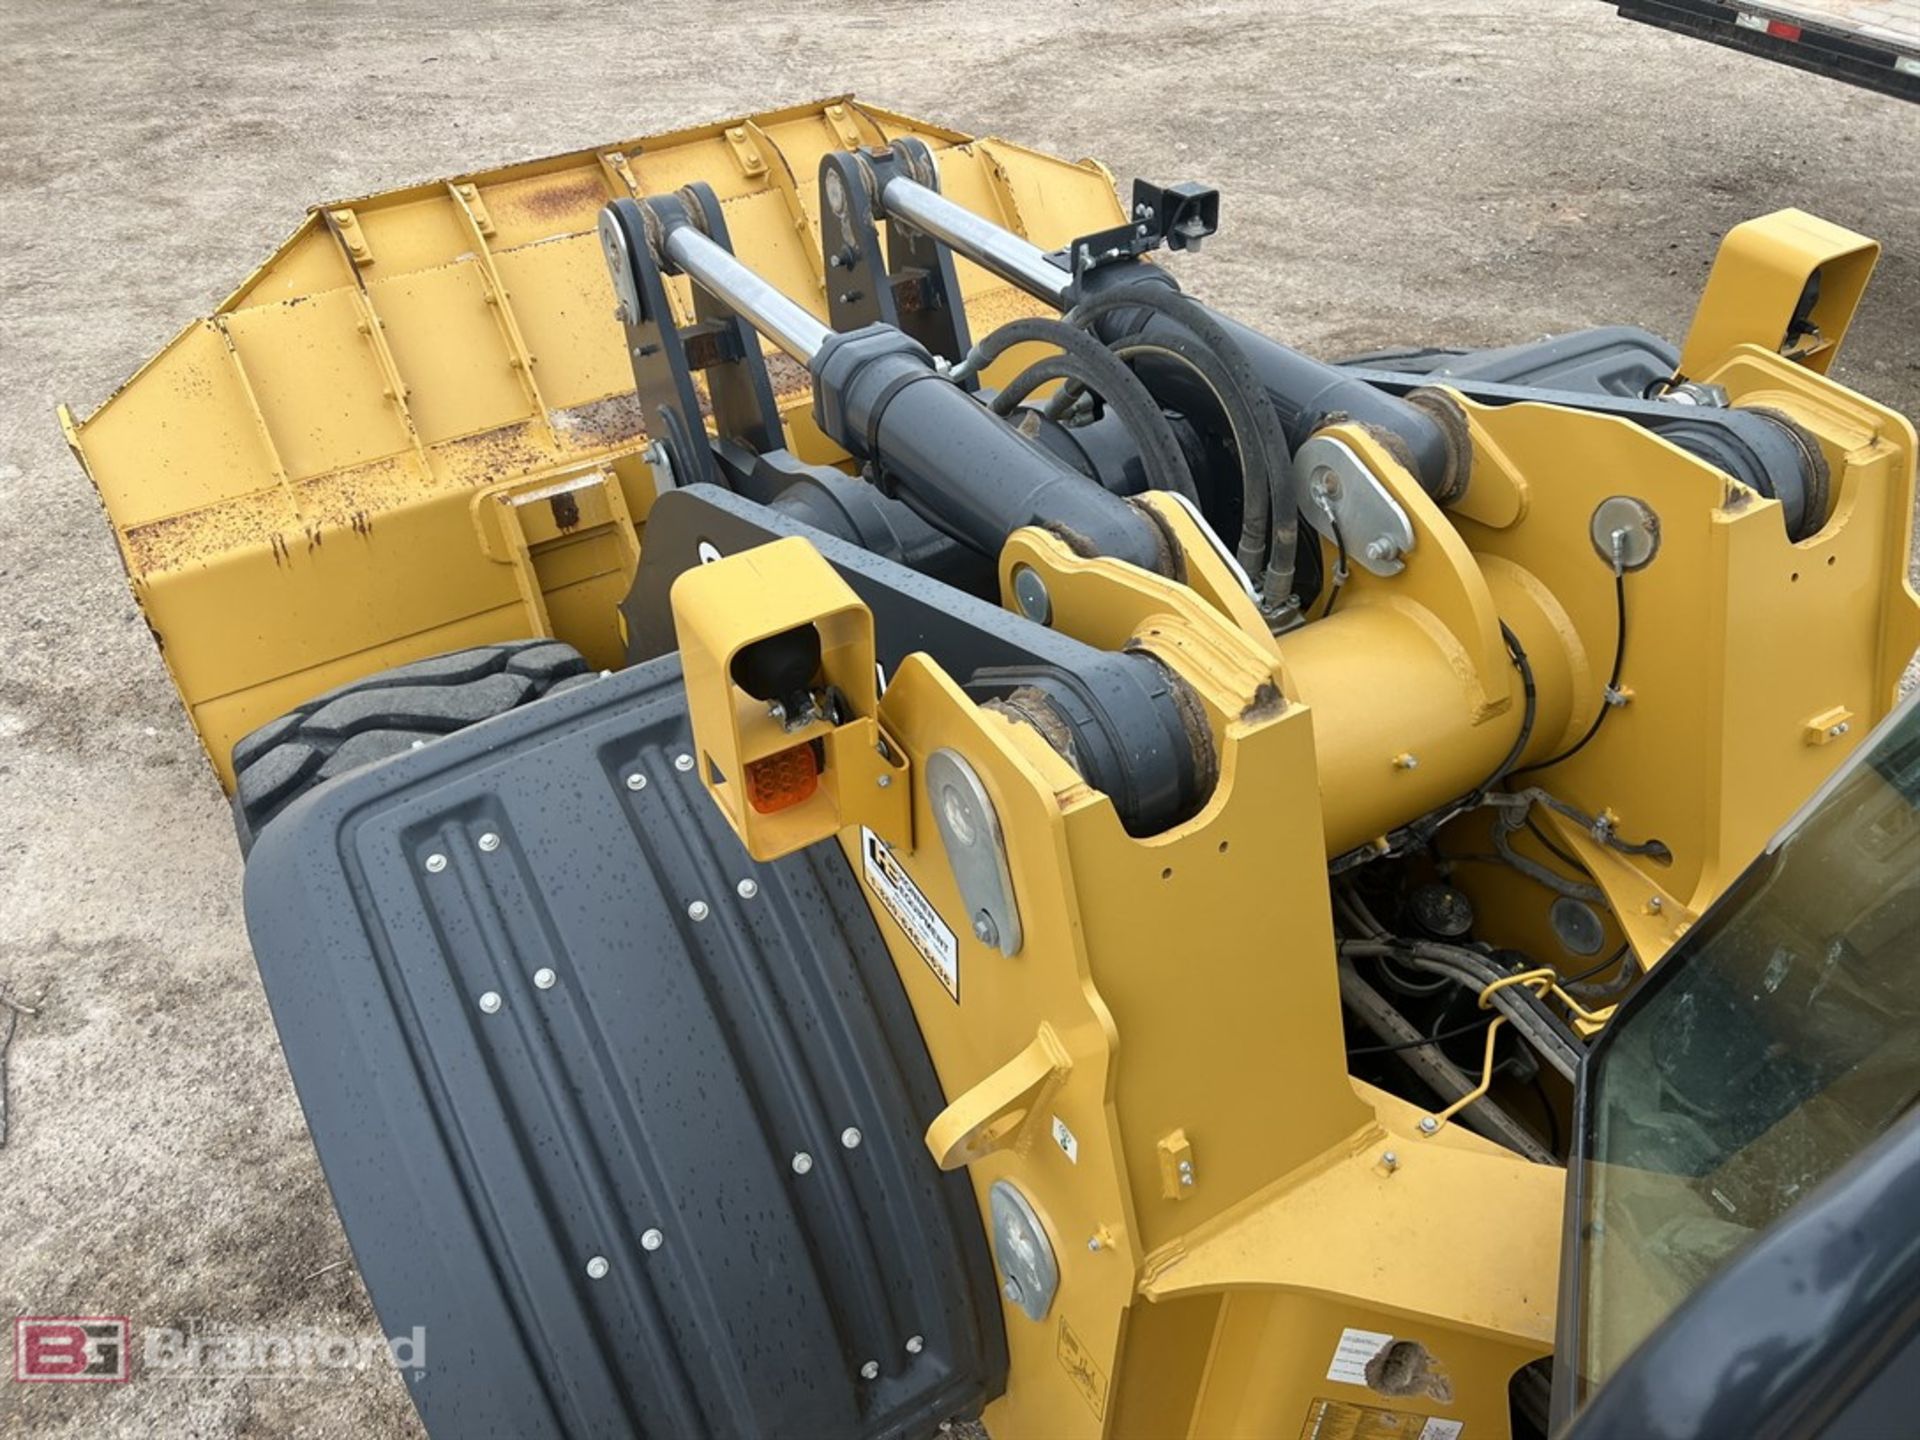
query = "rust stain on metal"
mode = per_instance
[{"x": 571, "y": 192}]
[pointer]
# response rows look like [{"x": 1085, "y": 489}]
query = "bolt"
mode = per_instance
[
  {"x": 884, "y": 781},
  {"x": 1391, "y": 1161},
  {"x": 636, "y": 781},
  {"x": 683, "y": 763},
  {"x": 1406, "y": 760},
  {"x": 651, "y": 1240},
  {"x": 697, "y": 911},
  {"x": 1428, "y": 1125},
  {"x": 489, "y": 842},
  {"x": 802, "y": 1163},
  {"x": 490, "y": 1002},
  {"x": 597, "y": 1268},
  {"x": 1012, "y": 1290},
  {"x": 746, "y": 889},
  {"x": 543, "y": 978},
  {"x": 436, "y": 863},
  {"x": 850, "y": 1138},
  {"x": 1380, "y": 550},
  {"x": 915, "y": 1344},
  {"x": 984, "y": 930},
  {"x": 870, "y": 1370},
  {"x": 1186, "y": 1172},
  {"x": 1654, "y": 905},
  {"x": 1095, "y": 1243}
]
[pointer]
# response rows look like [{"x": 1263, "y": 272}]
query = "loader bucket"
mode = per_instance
[{"x": 414, "y": 428}]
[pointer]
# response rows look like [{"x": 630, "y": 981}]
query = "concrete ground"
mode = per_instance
[{"x": 1454, "y": 170}]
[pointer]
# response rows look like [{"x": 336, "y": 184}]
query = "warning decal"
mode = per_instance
[
  {"x": 1083, "y": 1370},
  {"x": 1337, "y": 1420},
  {"x": 1356, "y": 1350},
  {"x": 911, "y": 910}
]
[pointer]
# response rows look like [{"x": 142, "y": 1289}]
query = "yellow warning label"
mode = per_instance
[
  {"x": 1340, "y": 1420},
  {"x": 1085, "y": 1373}
]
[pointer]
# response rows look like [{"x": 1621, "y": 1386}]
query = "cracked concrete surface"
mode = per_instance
[{"x": 1464, "y": 170}]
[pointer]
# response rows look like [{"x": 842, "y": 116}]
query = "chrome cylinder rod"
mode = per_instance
[
  {"x": 787, "y": 323},
  {"x": 1017, "y": 261}
]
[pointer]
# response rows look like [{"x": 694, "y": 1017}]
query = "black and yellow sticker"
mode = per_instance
[
  {"x": 1083, "y": 1370},
  {"x": 1343, "y": 1420}
]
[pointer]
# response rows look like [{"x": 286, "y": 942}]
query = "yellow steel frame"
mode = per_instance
[{"x": 1229, "y": 1208}]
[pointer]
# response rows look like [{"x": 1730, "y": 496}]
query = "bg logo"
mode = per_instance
[{"x": 83, "y": 1348}]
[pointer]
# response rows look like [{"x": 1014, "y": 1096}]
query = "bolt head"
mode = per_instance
[
  {"x": 883, "y": 781},
  {"x": 1428, "y": 1124},
  {"x": 489, "y": 842},
  {"x": 651, "y": 1240},
  {"x": 490, "y": 1002},
  {"x": 543, "y": 978},
  {"x": 683, "y": 763},
  {"x": 984, "y": 930},
  {"x": 1094, "y": 1243},
  {"x": 915, "y": 1344},
  {"x": 636, "y": 781},
  {"x": 802, "y": 1163},
  {"x": 1380, "y": 550},
  {"x": 747, "y": 889},
  {"x": 697, "y": 911},
  {"x": 1390, "y": 1160},
  {"x": 850, "y": 1138},
  {"x": 436, "y": 863},
  {"x": 1011, "y": 1289},
  {"x": 870, "y": 1370},
  {"x": 598, "y": 1267}
]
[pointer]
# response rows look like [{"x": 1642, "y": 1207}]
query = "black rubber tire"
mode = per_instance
[{"x": 384, "y": 714}]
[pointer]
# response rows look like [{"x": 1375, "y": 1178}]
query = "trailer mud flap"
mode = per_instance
[{"x": 629, "y": 1125}]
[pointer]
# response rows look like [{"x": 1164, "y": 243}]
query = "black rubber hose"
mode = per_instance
[
  {"x": 1269, "y": 520},
  {"x": 1552, "y": 1038},
  {"x": 1124, "y": 393}
]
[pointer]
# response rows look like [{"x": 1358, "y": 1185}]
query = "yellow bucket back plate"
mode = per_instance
[{"x": 414, "y": 428}]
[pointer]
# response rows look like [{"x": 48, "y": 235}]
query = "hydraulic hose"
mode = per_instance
[
  {"x": 1546, "y": 1032},
  {"x": 1385, "y": 1022},
  {"x": 1086, "y": 362},
  {"x": 1269, "y": 520}
]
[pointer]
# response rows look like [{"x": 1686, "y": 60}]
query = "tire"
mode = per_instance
[{"x": 384, "y": 714}]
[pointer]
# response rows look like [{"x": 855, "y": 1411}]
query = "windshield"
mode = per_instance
[{"x": 1775, "y": 1043}]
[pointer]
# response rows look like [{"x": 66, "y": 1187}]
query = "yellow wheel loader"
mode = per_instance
[{"x": 861, "y": 814}]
